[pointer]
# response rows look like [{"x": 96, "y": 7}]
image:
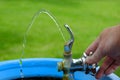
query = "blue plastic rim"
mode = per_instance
[{"x": 41, "y": 67}]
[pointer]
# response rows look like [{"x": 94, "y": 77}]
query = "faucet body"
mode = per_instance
[{"x": 69, "y": 65}]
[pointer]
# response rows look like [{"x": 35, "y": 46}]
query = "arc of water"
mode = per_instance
[{"x": 29, "y": 27}]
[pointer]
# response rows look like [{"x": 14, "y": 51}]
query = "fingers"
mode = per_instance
[
  {"x": 105, "y": 68},
  {"x": 92, "y": 47},
  {"x": 112, "y": 68}
]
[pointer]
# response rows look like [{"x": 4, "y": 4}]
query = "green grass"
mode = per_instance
[{"x": 86, "y": 18}]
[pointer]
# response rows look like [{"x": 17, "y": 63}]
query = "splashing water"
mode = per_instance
[{"x": 28, "y": 29}]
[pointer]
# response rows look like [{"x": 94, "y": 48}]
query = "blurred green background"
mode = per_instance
[{"x": 86, "y": 19}]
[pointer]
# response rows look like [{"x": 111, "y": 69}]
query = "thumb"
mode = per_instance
[{"x": 96, "y": 57}]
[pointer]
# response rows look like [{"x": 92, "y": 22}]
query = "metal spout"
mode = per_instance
[{"x": 68, "y": 44}]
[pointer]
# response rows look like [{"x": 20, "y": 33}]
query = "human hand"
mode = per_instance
[{"x": 106, "y": 45}]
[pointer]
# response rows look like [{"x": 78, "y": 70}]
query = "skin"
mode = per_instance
[{"x": 107, "y": 46}]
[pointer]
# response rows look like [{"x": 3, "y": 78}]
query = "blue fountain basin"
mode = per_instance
[{"x": 41, "y": 67}]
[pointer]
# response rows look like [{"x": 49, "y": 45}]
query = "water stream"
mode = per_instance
[{"x": 28, "y": 29}]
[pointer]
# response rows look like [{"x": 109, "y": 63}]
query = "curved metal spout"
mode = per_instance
[
  {"x": 70, "y": 32},
  {"x": 70, "y": 42}
]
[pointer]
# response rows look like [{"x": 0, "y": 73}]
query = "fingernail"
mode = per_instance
[{"x": 91, "y": 53}]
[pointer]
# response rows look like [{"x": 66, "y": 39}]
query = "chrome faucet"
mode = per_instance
[{"x": 69, "y": 65}]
